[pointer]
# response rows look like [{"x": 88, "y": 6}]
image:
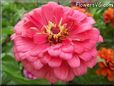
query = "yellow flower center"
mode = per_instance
[{"x": 56, "y": 33}]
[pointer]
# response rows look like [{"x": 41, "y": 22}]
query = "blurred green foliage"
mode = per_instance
[{"x": 12, "y": 12}]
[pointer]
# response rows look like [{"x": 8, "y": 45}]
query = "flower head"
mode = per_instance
[
  {"x": 107, "y": 66},
  {"x": 109, "y": 16},
  {"x": 55, "y": 42}
]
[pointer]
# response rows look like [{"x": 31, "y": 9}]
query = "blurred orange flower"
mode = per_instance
[
  {"x": 81, "y": 10},
  {"x": 106, "y": 54},
  {"x": 109, "y": 16},
  {"x": 106, "y": 68}
]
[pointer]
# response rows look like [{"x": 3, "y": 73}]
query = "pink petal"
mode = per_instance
[
  {"x": 89, "y": 20},
  {"x": 31, "y": 58},
  {"x": 61, "y": 72},
  {"x": 58, "y": 13},
  {"x": 89, "y": 44},
  {"x": 46, "y": 58},
  {"x": 23, "y": 44},
  {"x": 27, "y": 65},
  {"x": 66, "y": 56},
  {"x": 22, "y": 55},
  {"x": 36, "y": 18},
  {"x": 51, "y": 77},
  {"x": 13, "y": 36},
  {"x": 31, "y": 31},
  {"x": 79, "y": 16},
  {"x": 38, "y": 50},
  {"x": 70, "y": 76},
  {"x": 28, "y": 74},
  {"x": 46, "y": 11},
  {"x": 78, "y": 49},
  {"x": 16, "y": 54},
  {"x": 55, "y": 62},
  {"x": 37, "y": 64},
  {"x": 93, "y": 52},
  {"x": 91, "y": 63},
  {"x": 40, "y": 38},
  {"x": 74, "y": 62},
  {"x": 84, "y": 27},
  {"x": 100, "y": 39},
  {"x": 41, "y": 73},
  {"x": 90, "y": 34},
  {"x": 85, "y": 37},
  {"x": 19, "y": 26},
  {"x": 94, "y": 34},
  {"x": 85, "y": 56},
  {"x": 80, "y": 70},
  {"x": 54, "y": 52},
  {"x": 67, "y": 48},
  {"x": 27, "y": 56}
]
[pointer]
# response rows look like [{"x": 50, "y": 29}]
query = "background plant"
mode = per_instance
[{"x": 12, "y": 12}]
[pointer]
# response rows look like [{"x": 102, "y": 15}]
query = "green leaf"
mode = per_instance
[
  {"x": 7, "y": 30},
  {"x": 100, "y": 59}
]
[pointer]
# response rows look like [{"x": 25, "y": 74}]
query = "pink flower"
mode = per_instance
[{"x": 55, "y": 42}]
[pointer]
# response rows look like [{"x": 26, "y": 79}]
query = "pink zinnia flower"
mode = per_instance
[{"x": 55, "y": 42}]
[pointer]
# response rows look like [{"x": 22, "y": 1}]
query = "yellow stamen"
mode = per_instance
[{"x": 63, "y": 32}]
